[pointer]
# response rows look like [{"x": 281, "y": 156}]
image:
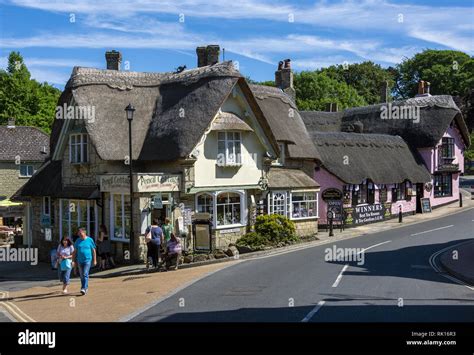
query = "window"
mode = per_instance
[
  {"x": 304, "y": 205},
  {"x": 228, "y": 208},
  {"x": 281, "y": 158},
  {"x": 205, "y": 204},
  {"x": 46, "y": 206},
  {"x": 383, "y": 193},
  {"x": 77, "y": 213},
  {"x": 370, "y": 192},
  {"x": 26, "y": 170},
  {"x": 279, "y": 203},
  {"x": 78, "y": 149},
  {"x": 120, "y": 217},
  {"x": 396, "y": 193},
  {"x": 229, "y": 149},
  {"x": 355, "y": 194},
  {"x": 407, "y": 190},
  {"x": 447, "y": 148},
  {"x": 443, "y": 185}
]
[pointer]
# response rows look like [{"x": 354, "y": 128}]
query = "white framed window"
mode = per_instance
[
  {"x": 281, "y": 158},
  {"x": 120, "y": 217},
  {"x": 279, "y": 203},
  {"x": 46, "y": 205},
  {"x": 304, "y": 204},
  {"x": 205, "y": 204},
  {"x": 74, "y": 214},
  {"x": 26, "y": 170},
  {"x": 228, "y": 209},
  {"x": 78, "y": 148},
  {"x": 229, "y": 150}
]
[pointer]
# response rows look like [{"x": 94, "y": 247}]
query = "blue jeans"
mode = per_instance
[
  {"x": 65, "y": 276},
  {"x": 84, "y": 273}
]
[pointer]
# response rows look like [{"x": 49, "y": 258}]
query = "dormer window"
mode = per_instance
[
  {"x": 447, "y": 148},
  {"x": 229, "y": 149},
  {"x": 78, "y": 148}
]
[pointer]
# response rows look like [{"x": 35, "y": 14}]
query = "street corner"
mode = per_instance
[{"x": 459, "y": 261}]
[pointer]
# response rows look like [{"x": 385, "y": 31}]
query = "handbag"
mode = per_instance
[
  {"x": 148, "y": 236},
  {"x": 66, "y": 264}
]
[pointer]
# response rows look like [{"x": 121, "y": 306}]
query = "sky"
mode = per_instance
[{"x": 158, "y": 36}]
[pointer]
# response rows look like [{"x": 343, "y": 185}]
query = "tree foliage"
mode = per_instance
[{"x": 29, "y": 102}]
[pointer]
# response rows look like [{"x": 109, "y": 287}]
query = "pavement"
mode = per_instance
[{"x": 130, "y": 292}]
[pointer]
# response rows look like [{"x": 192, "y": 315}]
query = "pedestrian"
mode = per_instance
[
  {"x": 64, "y": 253},
  {"x": 85, "y": 256},
  {"x": 167, "y": 228},
  {"x": 173, "y": 252},
  {"x": 154, "y": 238},
  {"x": 104, "y": 249}
]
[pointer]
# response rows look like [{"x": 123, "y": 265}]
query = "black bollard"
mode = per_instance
[
  {"x": 460, "y": 199},
  {"x": 400, "y": 215},
  {"x": 331, "y": 232}
]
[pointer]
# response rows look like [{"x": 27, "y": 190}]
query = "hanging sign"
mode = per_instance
[
  {"x": 331, "y": 194},
  {"x": 157, "y": 183}
]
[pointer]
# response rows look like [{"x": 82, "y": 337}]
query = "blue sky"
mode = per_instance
[{"x": 54, "y": 36}]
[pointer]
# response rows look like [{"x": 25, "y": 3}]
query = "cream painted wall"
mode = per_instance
[{"x": 254, "y": 145}]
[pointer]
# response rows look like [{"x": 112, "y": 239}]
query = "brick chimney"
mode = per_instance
[
  {"x": 113, "y": 59},
  {"x": 423, "y": 88},
  {"x": 208, "y": 55},
  {"x": 384, "y": 92},
  {"x": 284, "y": 78}
]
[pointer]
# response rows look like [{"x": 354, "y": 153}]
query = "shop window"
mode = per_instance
[
  {"x": 120, "y": 217},
  {"x": 78, "y": 148},
  {"x": 370, "y": 192},
  {"x": 205, "y": 204},
  {"x": 229, "y": 149},
  {"x": 443, "y": 185},
  {"x": 304, "y": 205},
  {"x": 278, "y": 203},
  {"x": 47, "y": 206},
  {"x": 74, "y": 214},
  {"x": 396, "y": 193},
  {"x": 355, "y": 195},
  {"x": 228, "y": 207},
  {"x": 26, "y": 170},
  {"x": 408, "y": 190}
]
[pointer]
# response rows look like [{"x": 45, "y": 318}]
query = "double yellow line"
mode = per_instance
[{"x": 12, "y": 309}]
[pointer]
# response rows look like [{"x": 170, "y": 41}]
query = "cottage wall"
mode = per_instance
[{"x": 10, "y": 180}]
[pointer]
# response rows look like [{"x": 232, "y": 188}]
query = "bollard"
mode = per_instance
[
  {"x": 331, "y": 232},
  {"x": 400, "y": 215},
  {"x": 460, "y": 199}
]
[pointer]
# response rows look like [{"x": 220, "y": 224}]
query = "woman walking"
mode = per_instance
[
  {"x": 154, "y": 238},
  {"x": 65, "y": 251},
  {"x": 104, "y": 248}
]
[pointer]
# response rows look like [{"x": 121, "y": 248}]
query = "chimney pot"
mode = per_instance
[
  {"x": 208, "y": 55},
  {"x": 421, "y": 87},
  {"x": 113, "y": 59},
  {"x": 384, "y": 92},
  {"x": 284, "y": 78}
]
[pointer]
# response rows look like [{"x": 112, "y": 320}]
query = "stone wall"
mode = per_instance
[
  {"x": 10, "y": 180},
  {"x": 306, "y": 228},
  {"x": 223, "y": 238}
]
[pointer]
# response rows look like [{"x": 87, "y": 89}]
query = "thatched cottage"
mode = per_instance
[{"x": 205, "y": 147}]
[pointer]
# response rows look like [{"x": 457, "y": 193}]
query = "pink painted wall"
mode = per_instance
[{"x": 326, "y": 180}]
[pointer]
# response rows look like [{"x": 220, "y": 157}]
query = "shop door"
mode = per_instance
[
  {"x": 420, "y": 190},
  {"x": 160, "y": 214}
]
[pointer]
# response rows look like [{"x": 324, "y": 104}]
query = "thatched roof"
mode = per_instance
[
  {"x": 353, "y": 157},
  {"x": 285, "y": 120},
  {"x": 227, "y": 121},
  {"x": 436, "y": 114},
  {"x": 24, "y": 142},
  {"x": 47, "y": 181},
  {"x": 172, "y": 109},
  {"x": 281, "y": 178}
]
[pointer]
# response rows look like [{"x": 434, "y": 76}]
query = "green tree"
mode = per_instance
[
  {"x": 449, "y": 73},
  {"x": 366, "y": 78},
  {"x": 314, "y": 90},
  {"x": 31, "y": 103}
]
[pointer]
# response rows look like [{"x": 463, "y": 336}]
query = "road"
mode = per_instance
[{"x": 395, "y": 283}]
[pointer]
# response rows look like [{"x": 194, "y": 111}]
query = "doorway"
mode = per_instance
[{"x": 420, "y": 191}]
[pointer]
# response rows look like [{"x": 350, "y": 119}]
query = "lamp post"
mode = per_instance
[{"x": 130, "y": 110}]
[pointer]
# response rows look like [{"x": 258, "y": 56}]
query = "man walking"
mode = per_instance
[{"x": 84, "y": 256}]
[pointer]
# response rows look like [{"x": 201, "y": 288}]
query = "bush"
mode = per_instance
[
  {"x": 252, "y": 240},
  {"x": 276, "y": 228},
  {"x": 270, "y": 230}
]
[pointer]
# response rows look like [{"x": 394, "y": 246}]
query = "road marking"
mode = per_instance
[
  {"x": 313, "y": 312},
  {"x": 432, "y": 230},
  {"x": 420, "y": 267},
  {"x": 373, "y": 246},
  {"x": 339, "y": 277},
  {"x": 436, "y": 268},
  {"x": 13, "y": 309}
]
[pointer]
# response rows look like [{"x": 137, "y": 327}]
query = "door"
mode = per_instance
[{"x": 420, "y": 191}]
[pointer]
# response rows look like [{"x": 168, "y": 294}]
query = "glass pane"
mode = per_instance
[
  {"x": 127, "y": 210},
  {"x": 118, "y": 230},
  {"x": 23, "y": 170},
  {"x": 86, "y": 153}
]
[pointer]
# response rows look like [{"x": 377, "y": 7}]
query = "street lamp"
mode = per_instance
[{"x": 130, "y": 110}]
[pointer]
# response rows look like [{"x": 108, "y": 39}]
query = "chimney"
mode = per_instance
[
  {"x": 113, "y": 59},
  {"x": 423, "y": 88},
  {"x": 11, "y": 123},
  {"x": 384, "y": 92},
  {"x": 208, "y": 55},
  {"x": 331, "y": 106},
  {"x": 284, "y": 78}
]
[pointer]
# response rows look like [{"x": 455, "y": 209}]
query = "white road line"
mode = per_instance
[
  {"x": 313, "y": 311},
  {"x": 432, "y": 230},
  {"x": 373, "y": 246},
  {"x": 339, "y": 277}
]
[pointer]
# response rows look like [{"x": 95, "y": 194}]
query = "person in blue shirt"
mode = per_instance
[
  {"x": 155, "y": 237},
  {"x": 85, "y": 256}
]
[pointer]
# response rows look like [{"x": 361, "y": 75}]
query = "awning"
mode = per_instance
[
  {"x": 10, "y": 209},
  {"x": 226, "y": 121},
  {"x": 281, "y": 178},
  {"x": 194, "y": 190}
]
